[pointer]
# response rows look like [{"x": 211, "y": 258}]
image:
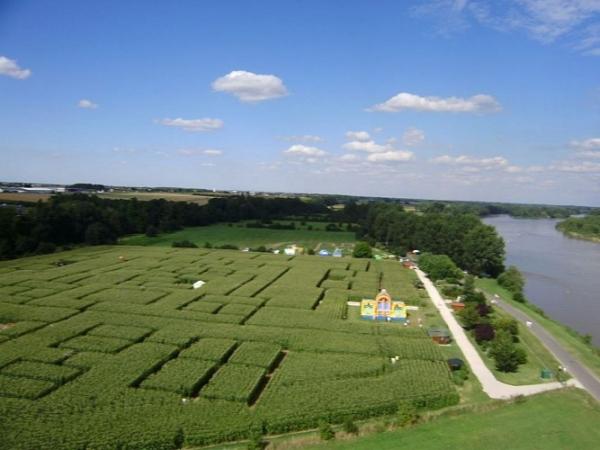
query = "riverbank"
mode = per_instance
[
  {"x": 586, "y": 228},
  {"x": 570, "y": 339},
  {"x": 583, "y": 237}
]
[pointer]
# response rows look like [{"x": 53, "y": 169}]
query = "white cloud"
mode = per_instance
[
  {"x": 464, "y": 160},
  {"x": 588, "y": 148},
  {"x": 10, "y": 68},
  {"x": 577, "y": 167},
  {"x": 304, "y": 150},
  {"x": 413, "y": 136},
  {"x": 349, "y": 157},
  {"x": 302, "y": 138},
  {"x": 199, "y": 151},
  {"x": 361, "y": 136},
  {"x": 480, "y": 103},
  {"x": 546, "y": 21},
  {"x": 250, "y": 87},
  {"x": 391, "y": 156},
  {"x": 206, "y": 124},
  {"x": 86, "y": 104},
  {"x": 366, "y": 146}
]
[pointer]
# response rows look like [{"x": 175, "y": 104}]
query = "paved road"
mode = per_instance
[
  {"x": 587, "y": 379},
  {"x": 491, "y": 386}
]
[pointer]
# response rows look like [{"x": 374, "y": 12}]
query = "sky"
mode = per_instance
[{"x": 458, "y": 100}]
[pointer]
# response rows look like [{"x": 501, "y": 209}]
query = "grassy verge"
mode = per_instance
[
  {"x": 538, "y": 358},
  {"x": 587, "y": 354},
  {"x": 555, "y": 420}
]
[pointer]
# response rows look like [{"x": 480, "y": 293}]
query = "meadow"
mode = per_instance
[
  {"x": 573, "y": 416},
  {"x": 110, "y": 347},
  {"x": 238, "y": 234}
]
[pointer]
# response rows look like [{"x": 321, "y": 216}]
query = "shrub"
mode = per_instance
[
  {"x": 506, "y": 355},
  {"x": 512, "y": 280},
  {"x": 362, "y": 250},
  {"x": 350, "y": 427},
  {"x": 484, "y": 332},
  {"x": 519, "y": 297},
  {"x": 325, "y": 431},
  {"x": 184, "y": 244},
  {"x": 407, "y": 415}
]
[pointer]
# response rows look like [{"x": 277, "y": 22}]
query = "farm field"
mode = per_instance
[
  {"x": 171, "y": 196},
  {"x": 23, "y": 197},
  {"x": 573, "y": 414},
  {"x": 112, "y": 348},
  {"x": 237, "y": 234}
]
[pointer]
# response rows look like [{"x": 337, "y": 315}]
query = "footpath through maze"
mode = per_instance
[{"x": 111, "y": 347}]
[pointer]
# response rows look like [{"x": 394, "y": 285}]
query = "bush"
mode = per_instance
[
  {"x": 183, "y": 244},
  {"x": 45, "y": 248},
  {"x": 326, "y": 432},
  {"x": 519, "y": 297},
  {"x": 362, "y": 250},
  {"x": 228, "y": 247},
  {"x": 350, "y": 427},
  {"x": 512, "y": 280},
  {"x": 407, "y": 415},
  {"x": 484, "y": 332},
  {"x": 311, "y": 251}
]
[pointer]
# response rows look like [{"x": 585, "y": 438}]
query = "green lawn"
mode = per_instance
[
  {"x": 239, "y": 235},
  {"x": 584, "y": 352},
  {"x": 566, "y": 419}
]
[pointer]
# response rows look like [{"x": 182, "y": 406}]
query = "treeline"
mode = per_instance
[
  {"x": 587, "y": 227},
  {"x": 514, "y": 210},
  {"x": 472, "y": 245},
  {"x": 67, "y": 220}
]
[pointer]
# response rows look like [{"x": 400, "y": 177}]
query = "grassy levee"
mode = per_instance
[
  {"x": 567, "y": 337},
  {"x": 565, "y": 419}
]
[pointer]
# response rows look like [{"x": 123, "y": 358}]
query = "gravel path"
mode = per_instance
[{"x": 491, "y": 386}]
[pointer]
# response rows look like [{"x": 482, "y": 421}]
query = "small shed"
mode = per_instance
[
  {"x": 457, "y": 306},
  {"x": 439, "y": 335},
  {"x": 455, "y": 363}
]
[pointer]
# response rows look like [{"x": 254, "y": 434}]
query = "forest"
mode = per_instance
[{"x": 587, "y": 227}]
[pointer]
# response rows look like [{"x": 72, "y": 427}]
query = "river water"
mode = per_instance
[{"x": 563, "y": 274}]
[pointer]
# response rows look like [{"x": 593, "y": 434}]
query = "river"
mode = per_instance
[{"x": 563, "y": 274}]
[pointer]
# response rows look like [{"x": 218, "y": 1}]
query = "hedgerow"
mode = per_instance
[{"x": 234, "y": 382}]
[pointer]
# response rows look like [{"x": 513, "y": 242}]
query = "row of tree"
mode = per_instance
[
  {"x": 67, "y": 220},
  {"x": 472, "y": 245}
]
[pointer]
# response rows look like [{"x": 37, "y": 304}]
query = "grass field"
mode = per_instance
[
  {"x": 573, "y": 343},
  {"x": 115, "y": 350},
  {"x": 558, "y": 420},
  {"x": 239, "y": 235}
]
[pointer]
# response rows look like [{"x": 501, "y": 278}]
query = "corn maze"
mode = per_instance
[{"x": 110, "y": 347}]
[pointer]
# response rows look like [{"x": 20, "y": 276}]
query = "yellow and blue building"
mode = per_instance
[{"x": 383, "y": 308}]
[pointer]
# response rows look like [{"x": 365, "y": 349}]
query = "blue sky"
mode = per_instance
[{"x": 442, "y": 99}]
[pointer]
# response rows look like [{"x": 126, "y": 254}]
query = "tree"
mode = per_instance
[
  {"x": 469, "y": 316},
  {"x": 506, "y": 354},
  {"x": 362, "y": 250},
  {"x": 484, "y": 251},
  {"x": 483, "y": 332},
  {"x": 438, "y": 267},
  {"x": 509, "y": 324},
  {"x": 151, "y": 231},
  {"x": 512, "y": 280},
  {"x": 98, "y": 234}
]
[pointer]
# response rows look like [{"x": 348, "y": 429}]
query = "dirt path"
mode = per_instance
[{"x": 491, "y": 386}]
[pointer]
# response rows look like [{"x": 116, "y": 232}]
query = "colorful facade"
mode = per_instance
[{"x": 383, "y": 308}]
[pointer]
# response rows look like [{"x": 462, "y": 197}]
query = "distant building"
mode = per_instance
[
  {"x": 337, "y": 253},
  {"x": 290, "y": 251},
  {"x": 324, "y": 252}
]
